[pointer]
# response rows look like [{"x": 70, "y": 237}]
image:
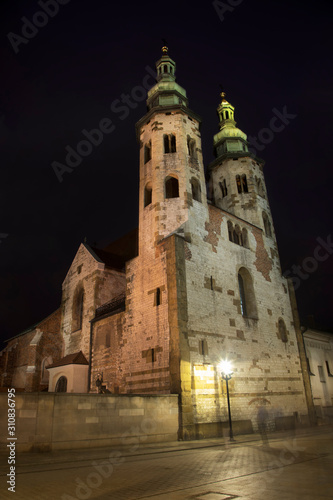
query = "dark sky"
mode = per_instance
[{"x": 66, "y": 76}]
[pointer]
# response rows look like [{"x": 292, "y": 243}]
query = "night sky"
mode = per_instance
[{"x": 70, "y": 74}]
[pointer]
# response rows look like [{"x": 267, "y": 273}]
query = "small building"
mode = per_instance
[{"x": 319, "y": 352}]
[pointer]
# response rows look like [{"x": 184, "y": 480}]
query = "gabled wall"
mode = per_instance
[
  {"x": 99, "y": 284},
  {"x": 24, "y": 359}
]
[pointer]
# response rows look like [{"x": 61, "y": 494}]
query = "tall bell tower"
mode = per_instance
[
  {"x": 172, "y": 181},
  {"x": 236, "y": 178}
]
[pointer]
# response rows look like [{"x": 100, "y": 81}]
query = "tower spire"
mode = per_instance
[
  {"x": 166, "y": 92},
  {"x": 165, "y": 47},
  {"x": 229, "y": 138}
]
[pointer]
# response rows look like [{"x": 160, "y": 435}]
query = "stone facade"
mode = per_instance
[{"x": 205, "y": 283}]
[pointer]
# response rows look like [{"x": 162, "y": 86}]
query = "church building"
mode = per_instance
[{"x": 199, "y": 282}]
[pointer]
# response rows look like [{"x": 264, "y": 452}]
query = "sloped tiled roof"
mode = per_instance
[
  {"x": 77, "y": 358},
  {"x": 110, "y": 260},
  {"x": 126, "y": 246},
  {"x": 31, "y": 328}
]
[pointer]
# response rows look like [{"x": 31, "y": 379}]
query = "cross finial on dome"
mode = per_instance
[
  {"x": 165, "y": 47},
  {"x": 222, "y": 94}
]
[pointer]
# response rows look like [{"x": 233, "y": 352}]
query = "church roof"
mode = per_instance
[
  {"x": 109, "y": 259},
  {"x": 77, "y": 358},
  {"x": 126, "y": 246},
  {"x": 117, "y": 253},
  {"x": 33, "y": 327}
]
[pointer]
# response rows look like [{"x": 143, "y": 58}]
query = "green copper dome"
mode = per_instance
[
  {"x": 229, "y": 139},
  {"x": 166, "y": 92}
]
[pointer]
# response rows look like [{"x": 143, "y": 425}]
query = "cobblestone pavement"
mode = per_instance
[{"x": 288, "y": 468}]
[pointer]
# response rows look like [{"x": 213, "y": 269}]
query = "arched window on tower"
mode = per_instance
[
  {"x": 191, "y": 147},
  {"x": 166, "y": 143},
  {"x": 169, "y": 143},
  {"x": 148, "y": 194},
  {"x": 77, "y": 309},
  {"x": 147, "y": 152},
  {"x": 173, "y": 143},
  {"x": 237, "y": 236},
  {"x": 227, "y": 115},
  {"x": 165, "y": 68},
  {"x": 267, "y": 225},
  {"x": 260, "y": 187},
  {"x": 171, "y": 187},
  {"x": 241, "y": 182},
  {"x": 246, "y": 292},
  {"x": 224, "y": 189},
  {"x": 283, "y": 331},
  {"x": 244, "y": 184},
  {"x": 196, "y": 190},
  {"x": 61, "y": 385},
  {"x": 238, "y": 182}
]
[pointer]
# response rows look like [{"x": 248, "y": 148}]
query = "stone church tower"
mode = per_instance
[
  {"x": 203, "y": 283},
  {"x": 215, "y": 266}
]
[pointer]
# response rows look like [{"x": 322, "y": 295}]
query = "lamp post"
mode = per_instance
[{"x": 226, "y": 373}]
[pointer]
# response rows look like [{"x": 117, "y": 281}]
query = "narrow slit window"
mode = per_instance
[
  {"x": 148, "y": 195},
  {"x": 267, "y": 225},
  {"x": 245, "y": 238},
  {"x": 147, "y": 152},
  {"x": 247, "y": 295},
  {"x": 166, "y": 144},
  {"x": 235, "y": 237},
  {"x": 196, "y": 190},
  {"x": 242, "y": 295},
  {"x": 158, "y": 297},
  {"x": 173, "y": 143},
  {"x": 203, "y": 347},
  {"x": 244, "y": 184},
  {"x": 239, "y": 185},
  {"x": 191, "y": 147},
  {"x": 223, "y": 187},
  {"x": 238, "y": 236},
  {"x": 230, "y": 230}
]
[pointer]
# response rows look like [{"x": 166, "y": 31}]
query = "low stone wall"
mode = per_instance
[{"x": 50, "y": 421}]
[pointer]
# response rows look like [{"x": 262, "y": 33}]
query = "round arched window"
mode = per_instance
[{"x": 61, "y": 385}]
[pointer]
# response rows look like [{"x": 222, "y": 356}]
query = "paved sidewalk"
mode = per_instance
[{"x": 291, "y": 466}]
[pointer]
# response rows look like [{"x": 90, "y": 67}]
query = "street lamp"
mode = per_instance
[{"x": 226, "y": 373}]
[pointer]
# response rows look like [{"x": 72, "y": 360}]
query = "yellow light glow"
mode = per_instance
[{"x": 225, "y": 367}]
